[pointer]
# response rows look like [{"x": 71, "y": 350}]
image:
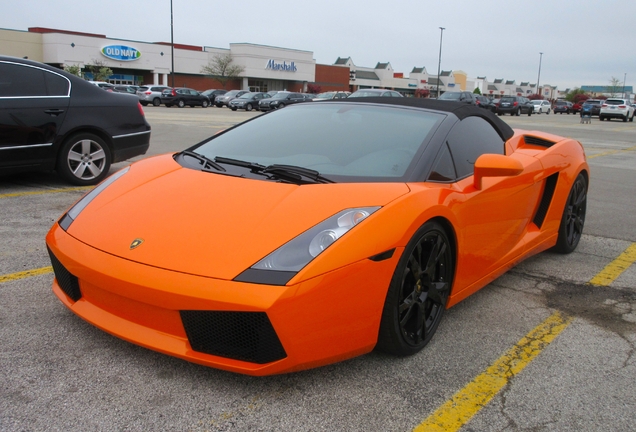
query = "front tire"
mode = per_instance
[
  {"x": 180, "y": 104},
  {"x": 573, "y": 218},
  {"x": 84, "y": 159},
  {"x": 156, "y": 102},
  {"x": 248, "y": 107},
  {"x": 418, "y": 292},
  {"x": 204, "y": 104}
]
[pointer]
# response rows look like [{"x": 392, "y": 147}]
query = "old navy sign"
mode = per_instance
[
  {"x": 284, "y": 66},
  {"x": 121, "y": 52}
]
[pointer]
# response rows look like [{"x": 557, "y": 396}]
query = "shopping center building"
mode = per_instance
[{"x": 265, "y": 68}]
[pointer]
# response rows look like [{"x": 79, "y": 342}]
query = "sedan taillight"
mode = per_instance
[
  {"x": 516, "y": 103},
  {"x": 141, "y": 110},
  {"x": 604, "y": 105}
]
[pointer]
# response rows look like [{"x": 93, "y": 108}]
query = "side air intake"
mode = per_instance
[
  {"x": 532, "y": 140},
  {"x": 546, "y": 199}
]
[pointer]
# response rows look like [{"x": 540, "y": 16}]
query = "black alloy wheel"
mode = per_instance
[
  {"x": 573, "y": 218},
  {"x": 418, "y": 292}
]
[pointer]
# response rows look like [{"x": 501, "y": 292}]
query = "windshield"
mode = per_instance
[
  {"x": 367, "y": 93},
  {"x": 344, "y": 142},
  {"x": 280, "y": 95},
  {"x": 536, "y": 102},
  {"x": 247, "y": 96},
  {"x": 327, "y": 95},
  {"x": 450, "y": 96}
]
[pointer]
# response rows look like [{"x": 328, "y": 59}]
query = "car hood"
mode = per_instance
[{"x": 210, "y": 224}]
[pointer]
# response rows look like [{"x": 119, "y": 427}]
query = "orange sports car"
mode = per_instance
[{"x": 316, "y": 233}]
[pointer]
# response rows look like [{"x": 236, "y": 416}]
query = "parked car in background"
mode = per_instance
[
  {"x": 515, "y": 105},
  {"x": 541, "y": 106},
  {"x": 212, "y": 94},
  {"x": 280, "y": 100},
  {"x": 494, "y": 103},
  {"x": 576, "y": 107},
  {"x": 591, "y": 107},
  {"x": 375, "y": 93},
  {"x": 225, "y": 98},
  {"x": 248, "y": 101},
  {"x": 464, "y": 96},
  {"x": 183, "y": 96},
  {"x": 331, "y": 95},
  {"x": 483, "y": 102},
  {"x": 562, "y": 106},
  {"x": 53, "y": 120},
  {"x": 125, "y": 89},
  {"x": 617, "y": 108},
  {"x": 151, "y": 94},
  {"x": 103, "y": 85}
]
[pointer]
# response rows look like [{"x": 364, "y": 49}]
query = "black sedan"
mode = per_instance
[
  {"x": 248, "y": 101},
  {"x": 213, "y": 93},
  {"x": 280, "y": 100},
  {"x": 183, "y": 96},
  {"x": 53, "y": 120}
]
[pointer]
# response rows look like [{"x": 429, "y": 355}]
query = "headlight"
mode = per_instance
[
  {"x": 281, "y": 266},
  {"x": 297, "y": 253},
  {"x": 72, "y": 214},
  {"x": 274, "y": 102}
]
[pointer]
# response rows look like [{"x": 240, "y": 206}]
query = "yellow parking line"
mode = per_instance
[
  {"x": 46, "y": 191},
  {"x": 467, "y": 402},
  {"x": 25, "y": 274},
  {"x": 610, "y": 152},
  {"x": 614, "y": 269},
  {"x": 460, "y": 408}
]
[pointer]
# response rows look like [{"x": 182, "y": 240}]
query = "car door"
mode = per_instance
[
  {"x": 33, "y": 105},
  {"x": 491, "y": 221}
]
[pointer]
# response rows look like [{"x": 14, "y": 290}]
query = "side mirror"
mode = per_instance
[{"x": 495, "y": 165}]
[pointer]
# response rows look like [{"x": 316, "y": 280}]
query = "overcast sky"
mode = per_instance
[{"x": 584, "y": 42}]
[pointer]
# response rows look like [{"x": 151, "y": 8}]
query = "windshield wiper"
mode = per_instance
[
  {"x": 236, "y": 162},
  {"x": 207, "y": 163},
  {"x": 296, "y": 172}
]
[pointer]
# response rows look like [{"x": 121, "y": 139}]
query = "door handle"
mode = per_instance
[{"x": 54, "y": 112}]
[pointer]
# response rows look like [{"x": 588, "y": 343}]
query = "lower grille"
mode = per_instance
[
  {"x": 66, "y": 281},
  {"x": 247, "y": 336}
]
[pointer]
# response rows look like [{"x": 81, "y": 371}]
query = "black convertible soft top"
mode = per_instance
[{"x": 459, "y": 109}]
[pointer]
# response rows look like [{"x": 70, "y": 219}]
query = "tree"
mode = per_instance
[
  {"x": 575, "y": 95},
  {"x": 477, "y": 91},
  {"x": 73, "y": 69},
  {"x": 535, "y": 96},
  {"x": 313, "y": 88},
  {"x": 100, "y": 71},
  {"x": 222, "y": 69},
  {"x": 422, "y": 93},
  {"x": 615, "y": 87}
]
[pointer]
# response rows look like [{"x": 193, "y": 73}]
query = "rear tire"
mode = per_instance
[
  {"x": 418, "y": 292},
  {"x": 573, "y": 218},
  {"x": 180, "y": 104},
  {"x": 84, "y": 159},
  {"x": 156, "y": 102}
]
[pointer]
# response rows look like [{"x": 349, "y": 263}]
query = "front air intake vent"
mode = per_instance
[
  {"x": 247, "y": 336},
  {"x": 66, "y": 281},
  {"x": 532, "y": 140}
]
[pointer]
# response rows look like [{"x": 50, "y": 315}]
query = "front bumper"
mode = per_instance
[{"x": 254, "y": 329}]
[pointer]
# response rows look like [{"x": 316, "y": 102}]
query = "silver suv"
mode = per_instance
[
  {"x": 151, "y": 94},
  {"x": 616, "y": 108}
]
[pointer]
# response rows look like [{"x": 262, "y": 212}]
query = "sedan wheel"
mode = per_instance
[
  {"x": 573, "y": 218},
  {"x": 84, "y": 159},
  {"x": 204, "y": 104},
  {"x": 418, "y": 292},
  {"x": 248, "y": 107}
]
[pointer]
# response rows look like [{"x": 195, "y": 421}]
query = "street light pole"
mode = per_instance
[
  {"x": 539, "y": 76},
  {"x": 172, "y": 44},
  {"x": 439, "y": 64},
  {"x": 624, "y": 79}
]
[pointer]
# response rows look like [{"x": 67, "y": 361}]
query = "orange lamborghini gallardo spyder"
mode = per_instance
[{"x": 316, "y": 233}]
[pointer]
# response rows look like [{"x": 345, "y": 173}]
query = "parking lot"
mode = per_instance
[{"x": 549, "y": 346}]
